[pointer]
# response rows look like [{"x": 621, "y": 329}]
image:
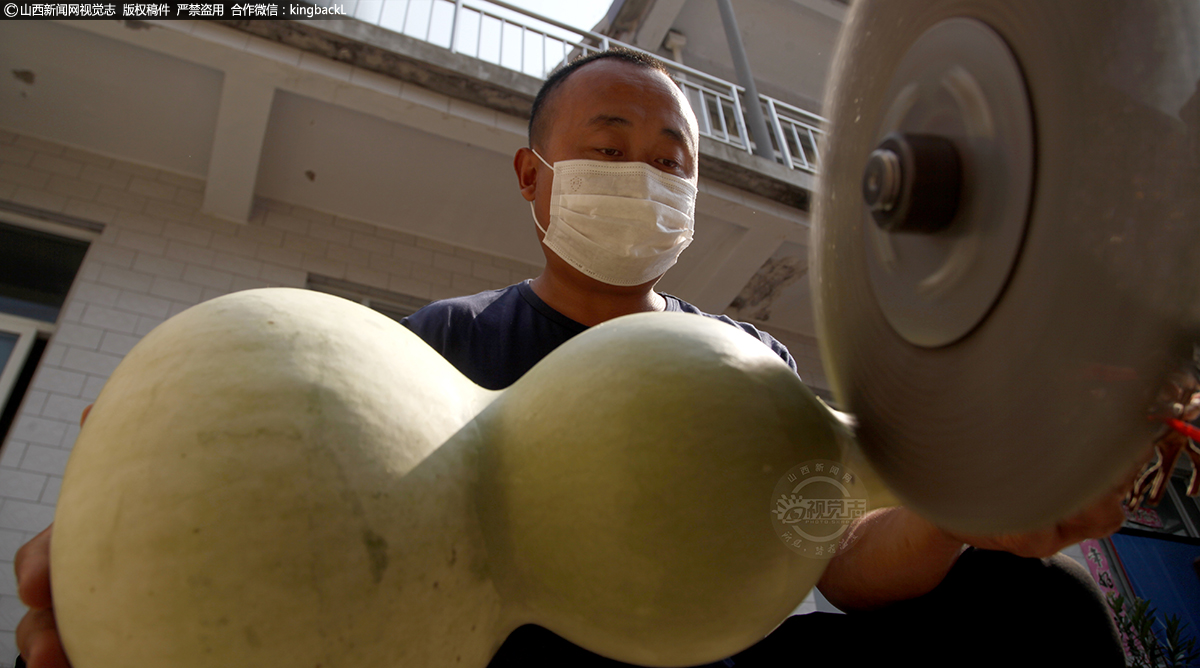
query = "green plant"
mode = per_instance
[{"x": 1143, "y": 648}]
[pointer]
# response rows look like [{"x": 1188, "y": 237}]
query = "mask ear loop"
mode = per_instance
[
  {"x": 539, "y": 156},
  {"x": 531, "y": 209},
  {"x": 535, "y": 220}
]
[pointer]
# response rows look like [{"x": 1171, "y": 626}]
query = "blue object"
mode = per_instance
[{"x": 1161, "y": 572}]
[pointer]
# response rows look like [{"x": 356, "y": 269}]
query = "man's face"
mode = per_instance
[
  {"x": 616, "y": 111},
  {"x": 613, "y": 110}
]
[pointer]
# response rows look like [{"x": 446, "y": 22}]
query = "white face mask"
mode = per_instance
[{"x": 622, "y": 223}]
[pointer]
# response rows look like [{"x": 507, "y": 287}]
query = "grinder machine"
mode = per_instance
[{"x": 1005, "y": 251}]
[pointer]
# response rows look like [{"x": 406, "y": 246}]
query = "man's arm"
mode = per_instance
[
  {"x": 898, "y": 555},
  {"x": 894, "y": 555}
]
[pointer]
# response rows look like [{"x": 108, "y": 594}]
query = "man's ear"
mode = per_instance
[{"x": 526, "y": 165}]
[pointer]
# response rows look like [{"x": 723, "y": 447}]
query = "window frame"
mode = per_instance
[
  {"x": 387, "y": 302},
  {"x": 27, "y": 331}
]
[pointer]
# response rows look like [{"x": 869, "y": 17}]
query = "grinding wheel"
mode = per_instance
[{"x": 1002, "y": 245}]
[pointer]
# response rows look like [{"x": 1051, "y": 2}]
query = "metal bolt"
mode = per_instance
[
  {"x": 881, "y": 181},
  {"x": 912, "y": 183}
]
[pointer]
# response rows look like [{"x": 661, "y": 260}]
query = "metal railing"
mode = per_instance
[
  {"x": 538, "y": 44},
  {"x": 800, "y": 131}
]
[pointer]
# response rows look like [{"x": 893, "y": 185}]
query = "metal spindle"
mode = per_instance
[
  {"x": 721, "y": 116},
  {"x": 542, "y": 55},
  {"x": 479, "y": 37},
  {"x": 404, "y": 21},
  {"x": 816, "y": 161},
  {"x": 704, "y": 111},
  {"x": 699, "y": 108},
  {"x": 429, "y": 23},
  {"x": 773, "y": 116},
  {"x": 741, "y": 120},
  {"x": 500, "y": 55},
  {"x": 800, "y": 147},
  {"x": 454, "y": 26}
]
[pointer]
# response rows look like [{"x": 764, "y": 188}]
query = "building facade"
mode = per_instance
[{"x": 147, "y": 167}]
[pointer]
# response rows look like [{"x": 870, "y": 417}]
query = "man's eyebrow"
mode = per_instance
[
  {"x": 609, "y": 119},
  {"x": 675, "y": 135}
]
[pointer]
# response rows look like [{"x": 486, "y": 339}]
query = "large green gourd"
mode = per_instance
[{"x": 283, "y": 478}]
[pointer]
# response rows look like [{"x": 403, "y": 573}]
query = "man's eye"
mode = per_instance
[
  {"x": 609, "y": 151},
  {"x": 668, "y": 163}
]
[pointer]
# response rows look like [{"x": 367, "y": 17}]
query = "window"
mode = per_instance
[
  {"x": 36, "y": 271},
  {"x": 392, "y": 304},
  {"x": 17, "y": 336},
  {"x": 39, "y": 258}
]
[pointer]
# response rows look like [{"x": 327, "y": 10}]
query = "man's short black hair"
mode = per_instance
[{"x": 537, "y": 122}]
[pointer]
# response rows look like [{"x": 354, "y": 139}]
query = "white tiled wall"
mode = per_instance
[{"x": 157, "y": 256}]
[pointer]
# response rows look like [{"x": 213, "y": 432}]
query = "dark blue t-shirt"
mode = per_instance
[{"x": 494, "y": 337}]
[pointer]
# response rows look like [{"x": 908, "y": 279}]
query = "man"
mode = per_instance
[
  {"x": 911, "y": 581},
  {"x": 613, "y": 112}
]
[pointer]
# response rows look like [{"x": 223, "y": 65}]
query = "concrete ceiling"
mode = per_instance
[
  {"x": 394, "y": 175},
  {"x": 778, "y": 296},
  {"x": 107, "y": 96}
]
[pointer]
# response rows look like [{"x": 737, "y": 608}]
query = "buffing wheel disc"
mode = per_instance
[{"x": 1001, "y": 367}]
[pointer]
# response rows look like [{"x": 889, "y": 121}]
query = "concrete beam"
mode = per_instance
[
  {"x": 831, "y": 8},
  {"x": 739, "y": 266},
  {"x": 756, "y": 298},
  {"x": 764, "y": 226},
  {"x": 237, "y": 146},
  {"x": 658, "y": 21},
  {"x": 406, "y": 59},
  {"x": 624, "y": 19},
  {"x": 732, "y": 166}
]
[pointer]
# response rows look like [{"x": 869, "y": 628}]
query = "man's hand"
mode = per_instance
[
  {"x": 37, "y": 633},
  {"x": 1100, "y": 519},
  {"x": 898, "y": 555}
]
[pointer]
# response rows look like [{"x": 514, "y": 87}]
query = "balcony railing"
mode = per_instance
[{"x": 517, "y": 39}]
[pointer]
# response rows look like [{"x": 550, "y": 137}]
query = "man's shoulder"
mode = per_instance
[
  {"x": 440, "y": 321},
  {"x": 467, "y": 304},
  {"x": 492, "y": 337},
  {"x": 768, "y": 340}
]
